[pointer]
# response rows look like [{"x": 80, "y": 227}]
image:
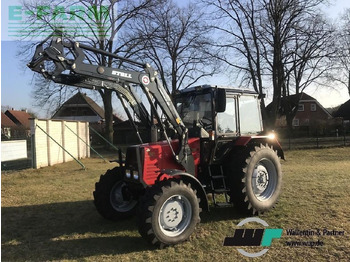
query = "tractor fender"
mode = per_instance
[
  {"x": 257, "y": 140},
  {"x": 188, "y": 178},
  {"x": 276, "y": 146}
]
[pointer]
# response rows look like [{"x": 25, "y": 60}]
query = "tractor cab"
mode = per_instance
[{"x": 219, "y": 112}]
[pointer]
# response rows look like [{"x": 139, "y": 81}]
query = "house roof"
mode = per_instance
[
  {"x": 296, "y": 99},
  {"x": 305, "y": 97},
  {"x": 19, "y": 117},
  {"x": 6, "y": 121},
  {"x": 82, "y": 99},
  {"x": 344, "y": 111}
]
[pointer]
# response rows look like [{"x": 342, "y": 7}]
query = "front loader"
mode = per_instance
[{"x": 204, "y": 140}]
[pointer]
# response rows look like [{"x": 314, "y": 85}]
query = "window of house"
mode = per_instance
[
  {"x": 313, "y": 107},
  {"x": 301, "y": 107},
  {"x": 295, "y": 122}
]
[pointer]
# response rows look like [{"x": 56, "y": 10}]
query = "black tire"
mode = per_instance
[
  {"x": 256, "y": 180},
  {"x": 109, "y": 196},
  {"x": 162, "y": 213}
]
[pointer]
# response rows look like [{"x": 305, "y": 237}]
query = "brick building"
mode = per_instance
[
  {"x": 310, "y": 112},
  {"x": 311, "y": 117}
]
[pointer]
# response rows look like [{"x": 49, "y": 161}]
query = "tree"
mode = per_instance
[
  {"x": 240, "y": 47},
  {"x": 99, "y": 23},
  {"x": 308, "y": 63},
  {"x": 301, "y": 41},
  {"x": 342, "y": 59},
  {"x": 176, "y": 40},
  {"x": 278, "y": 43}
]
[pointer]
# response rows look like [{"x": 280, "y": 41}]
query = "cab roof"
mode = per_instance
[{"x": 213, "y": 87}]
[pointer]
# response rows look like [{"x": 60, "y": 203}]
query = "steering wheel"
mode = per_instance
[{"x": 205, "y": 124}]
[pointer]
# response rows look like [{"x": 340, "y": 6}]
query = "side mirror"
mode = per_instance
[{"x": 220, "y": 101}]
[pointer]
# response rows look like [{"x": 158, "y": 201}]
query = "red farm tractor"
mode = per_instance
[{"x": 205, "y": 140}]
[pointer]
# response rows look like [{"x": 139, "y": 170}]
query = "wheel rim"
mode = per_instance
[
  {"x": 175, "y": 215},
  {"x": 117, "y": 199},
  {"x": 264, "y": 179}
]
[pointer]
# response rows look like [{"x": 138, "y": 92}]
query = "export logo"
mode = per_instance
[
  {"x": 253, "y": 237},
  {"x": 40, "y": 21}
]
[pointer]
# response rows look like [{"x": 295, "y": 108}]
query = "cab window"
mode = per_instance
[
  {"x": 227, "y": 120},
  {"x": 249, "y": 115},
  {"x": 195, "y": 110}
]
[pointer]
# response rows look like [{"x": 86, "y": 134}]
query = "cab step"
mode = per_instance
[
  {"x": 222, "y": 189},
  {"x": 223, "y": 204}
]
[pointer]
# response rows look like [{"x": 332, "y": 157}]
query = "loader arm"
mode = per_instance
[{"x": 70, "y": 65}]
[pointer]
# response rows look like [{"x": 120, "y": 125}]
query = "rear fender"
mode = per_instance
[
  {"x": 187, "y": 179},
  {"x": 274, "y": 143},
  {"x": 277, "y": 146}
]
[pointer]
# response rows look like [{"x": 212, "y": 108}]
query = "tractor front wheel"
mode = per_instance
[
  {"x": 168, "y": 213},
  {"x": 112, "y": 198}
]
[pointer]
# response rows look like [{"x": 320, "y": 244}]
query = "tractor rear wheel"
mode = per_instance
[
  {"x": 256, "y": 180},
  {"x": 168, "y": 213},
  {"x": 112, "y": 198}
]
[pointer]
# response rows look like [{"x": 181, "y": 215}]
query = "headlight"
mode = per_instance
[
  {"x": 271, "y": 136},
  {"x": 127, "y": 173},
  {"x": 136, "y": 175}
]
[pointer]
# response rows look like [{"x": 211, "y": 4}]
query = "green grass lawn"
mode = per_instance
[{"x": 48, "y": 214}]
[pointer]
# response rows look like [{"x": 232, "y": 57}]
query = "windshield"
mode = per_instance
[{"x": 195, "y": 110}]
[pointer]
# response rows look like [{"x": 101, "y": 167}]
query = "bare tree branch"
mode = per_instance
[
  {"x": 99, "y": 23},
  {"x": 176, "y": 40}
]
